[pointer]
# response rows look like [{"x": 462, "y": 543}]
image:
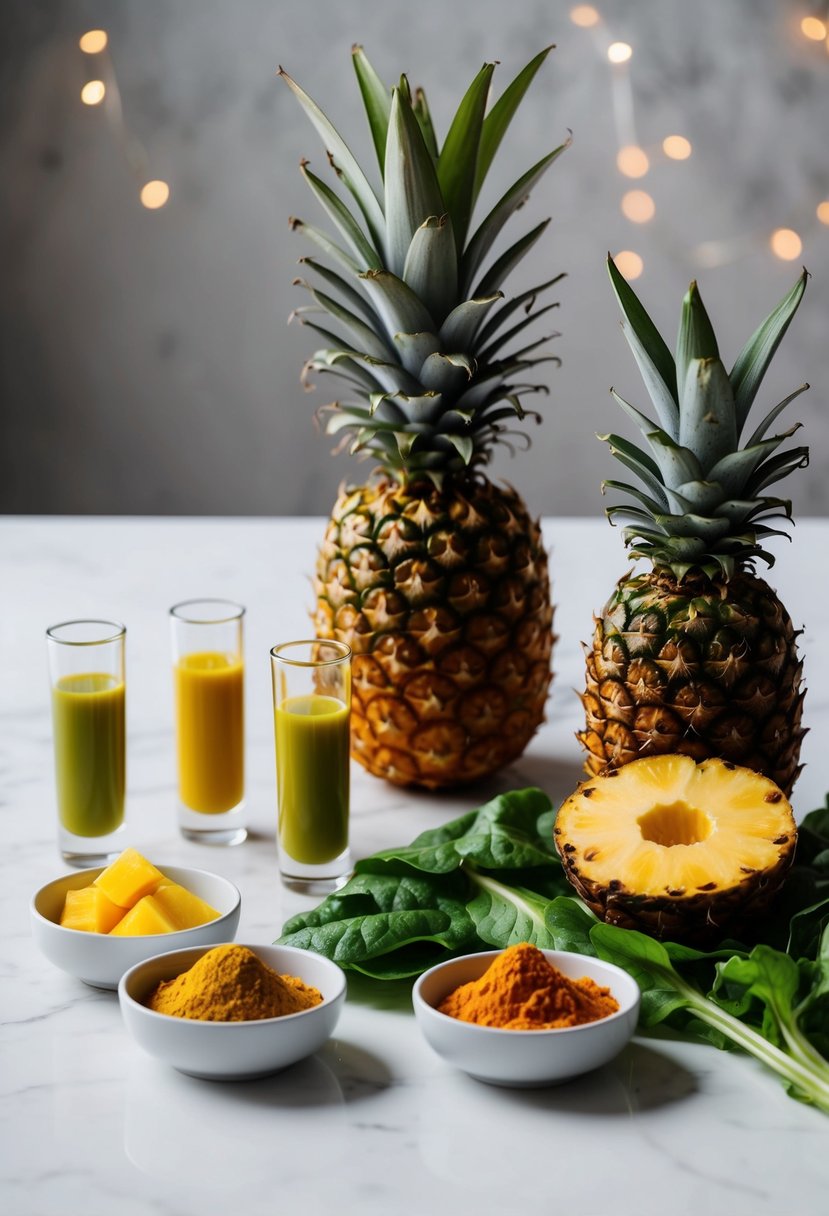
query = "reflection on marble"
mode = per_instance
[{"x": 375, "y": 1123}]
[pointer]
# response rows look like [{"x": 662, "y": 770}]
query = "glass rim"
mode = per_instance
[
  {"x": 120, "y": 632},
  {"x": 345, "y": 652},
  {"x": 236, "y": 613}
]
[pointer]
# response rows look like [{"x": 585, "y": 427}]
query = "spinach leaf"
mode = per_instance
[
  {"x": 505, "y": 916},
  {"x": 503, "y": 834},
  {"x": 766, "y": 976},
  {"x": 569, "y": 923}
]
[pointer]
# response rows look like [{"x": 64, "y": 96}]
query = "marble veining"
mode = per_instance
[{"x": 375, "y": 1122}]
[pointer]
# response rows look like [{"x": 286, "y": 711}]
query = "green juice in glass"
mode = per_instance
[
  {"x": 88, "y": 717},
  {"x": 312, "y": 748}
]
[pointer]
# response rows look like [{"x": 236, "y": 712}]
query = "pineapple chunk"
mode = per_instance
[
  {"x": 184, "y": 909},
  {"x": 90, "y": 910},
  {"x": 168, "y": 910},
  {"x": 129, "y": 878},
  {"x": 146, "y": 918}
]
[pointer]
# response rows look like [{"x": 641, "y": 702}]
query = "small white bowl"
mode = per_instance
[
  {"x": 233, "y": 1051},
  {"x": 100, "y": 959},
  {"x": 525, "y": 1058}
]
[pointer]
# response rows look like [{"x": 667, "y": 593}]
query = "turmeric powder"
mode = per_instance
[
  {"x": 231, "y": 984},
  {"x": 522, "y": 991}
]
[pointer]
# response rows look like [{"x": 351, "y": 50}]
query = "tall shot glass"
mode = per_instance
[
  {"x": 86, "y": 669},
  {"x": 208, "y": 677},
  {"x": 312, "y": 710}
]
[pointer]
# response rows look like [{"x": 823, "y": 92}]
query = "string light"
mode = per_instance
[
  {"x": 632, "y": 161},
  {"x": 786, "y": 244},
  {"x": 93, "y": 42},
  {"x": 584, "y": 15},
  {"x": 814, "y": 29},
  {"x": 677, "y": 147},
  {"x": 619, "y": 52},
  {"x": 93, "y": 92},
  {"x": 154, "y": 194},
  {"x": 629, "y": 264},
  {"x": 638, "y": 206}
]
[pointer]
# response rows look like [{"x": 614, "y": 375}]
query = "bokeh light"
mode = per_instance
[
  {"x": 813, "y": 28},
  {"x": 823, "y": 211},
  {"x": 677, "y": 147},
  {"x": 619, "y": 52},
  {"x": 584, "y": 15},
  {"x": 93, "y": 92},
  {"x": 93, "y": 42},
  {"x": 786, "y": 244},
  {"x": 632, "y": 161},
  {"x": 638, "y": 206},
  {"x": 629, "y": 264},
  {"x": 155, "y": 194}
]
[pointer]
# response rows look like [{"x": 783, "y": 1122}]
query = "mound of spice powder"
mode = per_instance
[
  {"x": 522, "y": 991},
  {"x": 231, "y": 984}
]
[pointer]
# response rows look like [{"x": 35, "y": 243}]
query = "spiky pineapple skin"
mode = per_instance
[
  {"x": 695, "y": 667},
  {"x": 444, "y": 597}
]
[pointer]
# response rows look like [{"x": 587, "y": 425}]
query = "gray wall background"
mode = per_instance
[{"x": 146, "y": 362}]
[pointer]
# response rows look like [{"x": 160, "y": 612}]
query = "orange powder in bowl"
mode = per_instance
[{"x": 522, "y": 991}]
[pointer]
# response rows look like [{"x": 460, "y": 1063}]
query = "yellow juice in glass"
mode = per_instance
[
  {"x": 88, "y": 718},
  {"x": 209, "y": 689},
  {"x": 312, "y": 746}
]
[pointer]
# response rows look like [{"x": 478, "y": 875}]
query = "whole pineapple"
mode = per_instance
[
  {"x": 698, "y": 655},
  {"x": 436, "y": 577}
]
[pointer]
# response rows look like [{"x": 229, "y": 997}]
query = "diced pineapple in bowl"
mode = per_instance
[{"x": 96, "y": 924}]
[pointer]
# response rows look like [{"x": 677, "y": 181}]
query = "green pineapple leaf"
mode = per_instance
[
  {"x": 508, "y": 260},
  {"x": 500, "y": 116},
  {"x": 343, "y": 161},
  {"x": 647, "y": 336},
  {"x": 366, "y": 254},
  {"x": 507, "y": 205},
  {"x": 431, "y": 266},
  {"x": 696, "y": 338},
  {"x": 420, "y": 109},
  {"x": 753, "y": 360},
  {"x": 706, "y": 419},
  {"x": 376, "y": 99},
  {"x": 411, "y": 185},
  {"x": 459, "y": 154}
]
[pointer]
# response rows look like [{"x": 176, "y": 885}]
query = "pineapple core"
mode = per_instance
[{"x": 676, "y": 823}]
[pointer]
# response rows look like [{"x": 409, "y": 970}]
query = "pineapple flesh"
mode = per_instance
[
  {"x": 435, "y": 576},
  {"x": 698, "y": 655},
  {"x": 679, "y": 850}
]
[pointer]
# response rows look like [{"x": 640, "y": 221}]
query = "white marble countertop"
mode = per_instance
[{"x": 375, "y": 1122}]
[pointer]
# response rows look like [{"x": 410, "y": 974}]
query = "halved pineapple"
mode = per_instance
[{"x": 677, "y": 849}]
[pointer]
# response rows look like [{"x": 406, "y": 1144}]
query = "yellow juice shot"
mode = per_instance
[
  {"x": 312, "y": 748},
  {"x": 88, "y": 719},
  {"x": 209, "y": 696}
]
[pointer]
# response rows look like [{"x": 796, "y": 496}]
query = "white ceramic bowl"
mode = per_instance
[
  {"x": 525, "y": 1058},
  {"x": 99, "y": 959},
  {"x": 232, "y": 1051}
]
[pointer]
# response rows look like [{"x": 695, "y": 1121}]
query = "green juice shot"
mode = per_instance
[
  {"x": 88, "y": 695},
  {"x": 312, "y": 742},
  {"x": 88, "y": 713},
  {"x": 312, "y": 722}
]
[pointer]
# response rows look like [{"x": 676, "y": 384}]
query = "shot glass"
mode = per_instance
[
  {"x": 86, "y": 670},
  {"x": 208, "y": 677},
  {"x": 312, "y": 711}
]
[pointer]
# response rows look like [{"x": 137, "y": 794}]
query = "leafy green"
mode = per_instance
[
  {"x": 492, "y": 878},
  {"x": 485, "y": 879},
  {"x": 753, "y": 1005}
]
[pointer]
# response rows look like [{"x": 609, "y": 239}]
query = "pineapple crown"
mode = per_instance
[
  {"x": 701, "y": 494},
  {"x": 422, "y": 321}
]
